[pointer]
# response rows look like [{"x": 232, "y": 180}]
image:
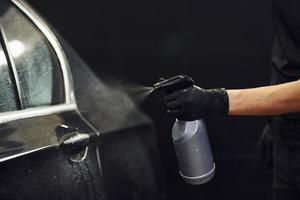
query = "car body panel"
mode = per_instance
[{"x": 121, "y": 161}]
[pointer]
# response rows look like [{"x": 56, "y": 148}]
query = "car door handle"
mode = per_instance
[{"x": 73, "y": 142}]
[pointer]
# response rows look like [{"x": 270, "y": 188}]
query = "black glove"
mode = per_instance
[
  {"x": 195, "y": 103},
  {"x": 266, "y": 144}
]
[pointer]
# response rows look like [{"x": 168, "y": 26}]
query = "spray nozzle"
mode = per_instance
[{"x": 174, "y": 83}]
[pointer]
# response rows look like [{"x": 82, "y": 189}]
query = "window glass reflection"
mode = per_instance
[
  {"x": 7, "y": 96},
  {"x": 36, "y": 62}
]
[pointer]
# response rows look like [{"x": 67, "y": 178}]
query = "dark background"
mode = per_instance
[{"x": 219, "y": 43}]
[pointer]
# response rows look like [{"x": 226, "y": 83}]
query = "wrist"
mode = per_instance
[{"x": 220, "y": 101}]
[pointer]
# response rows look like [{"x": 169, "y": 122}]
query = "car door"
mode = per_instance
[{"x": 45, "y": 144}]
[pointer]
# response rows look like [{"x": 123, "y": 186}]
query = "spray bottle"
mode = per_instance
[{"x": 190, "y": 139}]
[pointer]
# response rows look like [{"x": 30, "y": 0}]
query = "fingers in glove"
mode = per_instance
[
  {"x": 172, "y": 105},
  {"x": 174, "y": 95},
  {"x": 176, "y": 113}
]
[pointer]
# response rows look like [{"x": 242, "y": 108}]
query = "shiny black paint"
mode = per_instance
[
  {"x": 50, "y": 175},
  {"x": 131, "y": 164},
  {"x": 35, "y": 133},
  {"x": 122, "y": 163},
  {"x": 47, "y": 174},
  {"x": 129, "y": 167}
]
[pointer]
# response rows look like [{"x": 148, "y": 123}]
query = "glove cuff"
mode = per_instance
[{"x": 221, "y": 102}]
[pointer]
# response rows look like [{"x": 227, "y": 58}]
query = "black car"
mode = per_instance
[{"x": 64, "y": 134}]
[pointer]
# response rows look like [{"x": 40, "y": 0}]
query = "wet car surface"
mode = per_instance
[{"x": 64, "y": 134}]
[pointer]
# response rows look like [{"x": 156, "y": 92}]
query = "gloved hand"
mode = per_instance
[{"x": 195, "y": 103}]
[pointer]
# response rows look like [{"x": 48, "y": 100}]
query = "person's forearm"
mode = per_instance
[{"x": 270, "y": 100}]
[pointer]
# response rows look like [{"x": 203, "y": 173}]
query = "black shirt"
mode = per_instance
[
  {"x": 286, "y": 63},
  {"x": 286, "y": 47}
]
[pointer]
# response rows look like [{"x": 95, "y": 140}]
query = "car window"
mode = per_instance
[
  {"x": 8, "y": 101},
  {"x": 37, "y": 65}
]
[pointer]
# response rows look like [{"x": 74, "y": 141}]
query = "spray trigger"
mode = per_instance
[{"x": 174, "y": 83}]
